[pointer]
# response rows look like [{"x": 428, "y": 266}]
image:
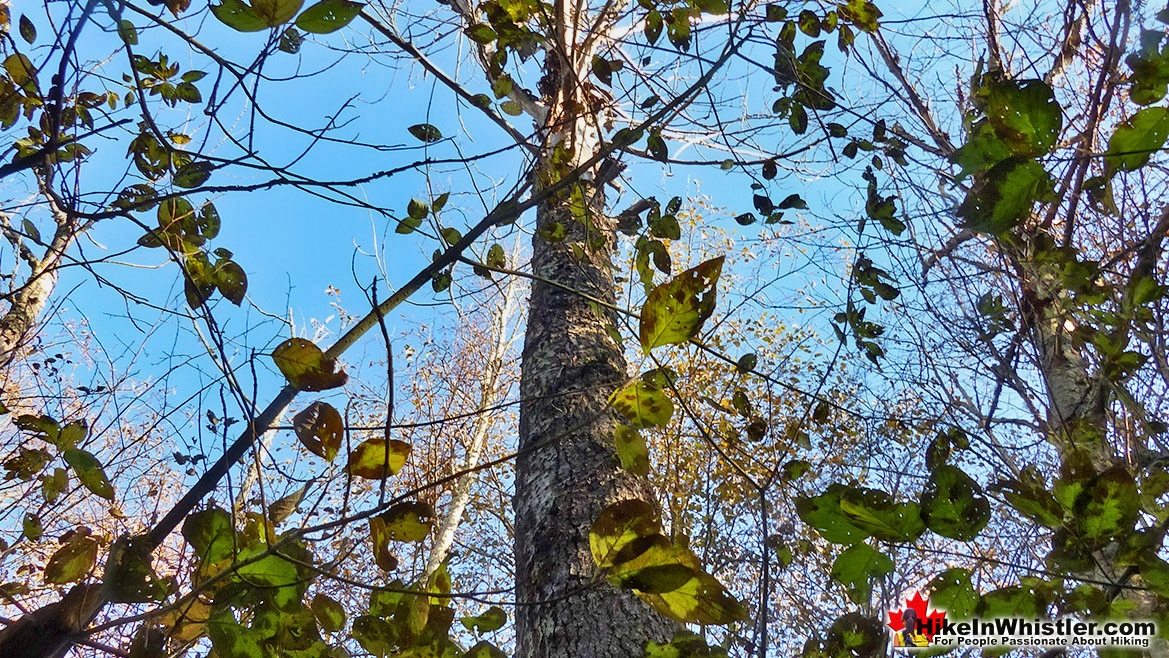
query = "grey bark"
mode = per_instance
[{"x": 570, "y": 367}]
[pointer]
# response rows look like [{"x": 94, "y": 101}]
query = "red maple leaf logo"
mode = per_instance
[{"x": 929, "y": 621}]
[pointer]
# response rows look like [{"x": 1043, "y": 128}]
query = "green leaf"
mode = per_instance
[
  {"x": 856, "y": 567},
  {"x": 328, "y": 16},
  {"x": 747, "y": 363},
  {"x": 130, "y": 574},
  {"x": 41, "y": 426},
  {"x": 417, "y": 209},
  {"x": 1138, "y": 138},
  {"x": 1025, "y": 115},
  {"x": 878, "y": 514},
  {"x": 374, "y": 459},
  {"x": 953, "y": 592},
  {"x": 1004, "y": 197},
  {"x": 276, "y": 12},
  {"x": 684, "y": 644},
  {"x": 642, "y": 405},
  {"x": 74, "y": 560},
  {"x": 424, "y": 132},
  {"x": 1108, "y": 507},
  {"x": 484, "y": 649},
  {"x": 450, "y": 235},
  {"x": 700, "y": 600},
  {"x": 953, "y": 505},
  {"x": 678, "y": 29},
  {"x": 824, "y": 513},
  {"x": 306, "y": 367},
  {"x": 656, "y": 146},
  {"x": 631, "y": 449},
  {"x": 982, "y": 150},
  {"x": 28, "y": 31},
  {"x": 495, "y": 257},
  {"x": 1017, "y": 601},
  {"x": 320, "y": 429},
  {"x": 210, "y": 533},
  {"x": 409, "y": 521},
  {"x": 238, "y": 15},
  {"x": 861, "y": 13},
  {"x": 31, "y": 527},
  {"x": 328, "y": 612},
  {"x": 713, "y": 7},
  {"x": 55, "y": 484},
  {"x": 491, "y": 620},
  {"x": 375, "y": 635},
  {"x": 232, "y": 281},
  {"x": 481, "y": 33},
  {"x": 1030, "y": 497},
  {"x": 193, "y": 174},
  {"x": 618, "y": 528},
  {"x": 660, "y": 566},
  {"x": 793, "y": 201},
  {"x": 89, "y": 472},
  {"x": 653, "y": 26},
  {"x": 674, "y": 312}
]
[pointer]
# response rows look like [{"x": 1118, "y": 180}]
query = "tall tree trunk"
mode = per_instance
[
  {"x": 570, "y": 367},
  {"x": 568, "y": 470}
]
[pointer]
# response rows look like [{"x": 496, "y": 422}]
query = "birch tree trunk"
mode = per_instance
[{"x": 568, "y": 470}]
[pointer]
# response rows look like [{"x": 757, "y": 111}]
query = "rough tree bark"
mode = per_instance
[
  {"x": 570, "y": 367},
  {"x": 568, "y": 469}
]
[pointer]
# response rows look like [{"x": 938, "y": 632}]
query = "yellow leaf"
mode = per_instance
[
  {"x": 701, "y": 600},
  {"x": 642, "y": 405},
  {"x": 408, "y": 521},
  {"x": 305, "y": 366},
  {"x": 674, "y": 311},
  {"x": 631, "y": 450},
  {"x": 618, "y": 528},
  {"x": 375, "y": 460},
  {"x": 74, "y": 560}
]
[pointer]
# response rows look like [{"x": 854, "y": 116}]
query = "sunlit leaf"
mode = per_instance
[
  {"x": 238, "y": 15},
  {"x": 1004, "y": 197},
  {"x": 89, "y": 472},
  {"x": 856, "y": 567},
  {"x": 631, "y": 449},
  {"x": 953, "y": 592},
  {"x": 675, "y": 311},
  {"x": 73, "y": 561},
  {"x": 306, "y": 367},
  {"x": 1137, "y": 139},
  {"x": 374, "y": 459},
  {"x": 490, "y": 620},
  {"x": 328, "y": 16},
  {"x": 618, "y": 526},
  {"x": 210, "y": 533},
  {"x": 824, "y": 513},
  {"x": 1024, "y": 114},
  {"x": 642, "y": 405},
  {"x": 953, "y": 504},
  {"x": 276, "y": 12},
  {"x": 409, "y": 521},
  {"x": 879, "y": 514}
]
